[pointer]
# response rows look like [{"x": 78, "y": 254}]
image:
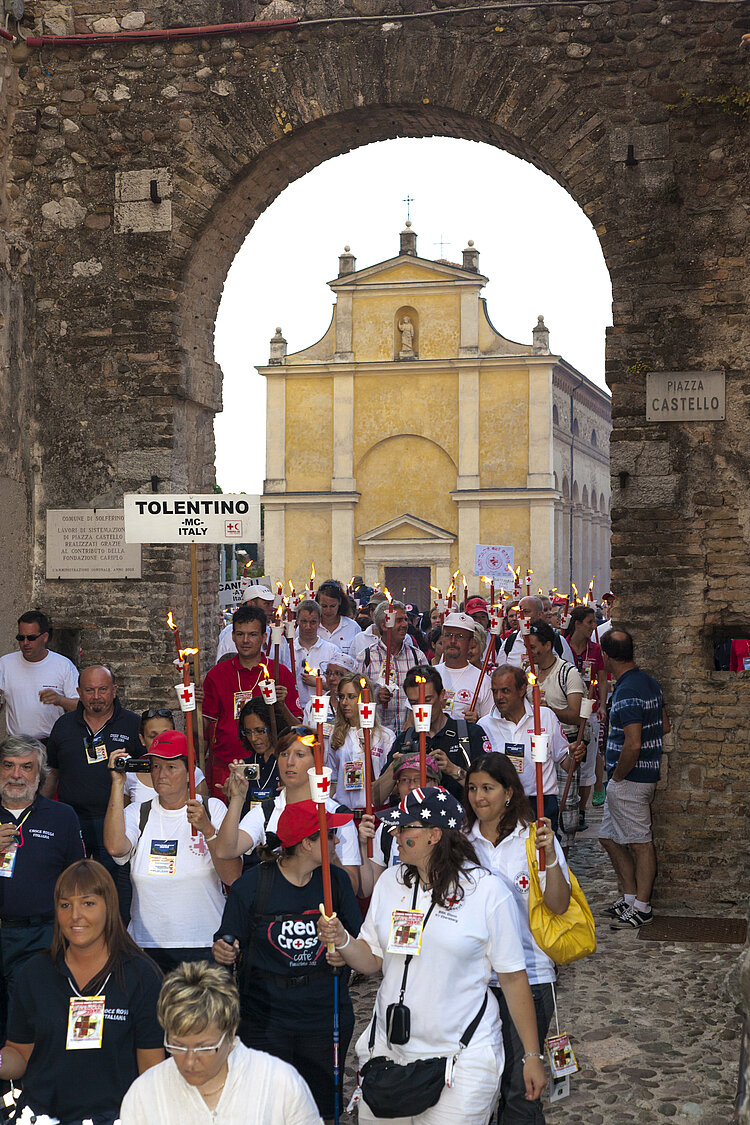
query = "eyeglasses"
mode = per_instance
[
  {"x": 183, "y": 1052},
  {"x": 20, "y": 637},
  {"x": 156, "y": 713},
  {"x": 258, "y": 730},
  {"x": 410, "y": 827}
]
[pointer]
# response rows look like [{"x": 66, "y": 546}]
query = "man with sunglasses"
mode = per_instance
[{"x": 38, "y": 685}]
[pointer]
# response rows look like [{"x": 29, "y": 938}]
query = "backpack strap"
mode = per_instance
[
  {"x": 464, "y": 741},
  {"x": 366, "y": 658},
  {"x": 268, "y": 807},
  {"x": 557, "y": 643},
  {"x": 266, "y": 874},
  {"x": 509, "y": 642},
  {"x": 145, "y": 812}
]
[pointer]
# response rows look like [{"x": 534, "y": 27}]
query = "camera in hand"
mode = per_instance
[
  {"x": 132, "y": 765},
  {"x": 397, "y": 1024},
  {"x": 251, "y": 771}
]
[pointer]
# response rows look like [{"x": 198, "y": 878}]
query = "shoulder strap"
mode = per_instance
[
  {"x": 268, "y": 806},
  {"x": 468, "y": 1034},
  {"x": 144, "y": 813},
  {"x": 366, "y": 659},
  {"x": 557, "y": 644},
  {"x": 509, "y": 642},
  {"x": 266, "y": 873},
  {"x": 386, "y": 846},
  {"x": 463, "y": 738}
]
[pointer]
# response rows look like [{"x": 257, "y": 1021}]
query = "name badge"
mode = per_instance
[
  {"x": 8, "y": 862},
  {"x": 450, "y": 698},
  {"x": 586, "y": 670},
  {"x": 406, "y": 932},
  {"x": 746, "y": 663},
  {"x": 162, "y": 858},
  {"x": 96, "y": 753},
  {"x": 354, "y": 775},
  {"x": 240, "y": 699},
  {"x": 85, "y": 1023},
  {"x": 516, "y": 751}
]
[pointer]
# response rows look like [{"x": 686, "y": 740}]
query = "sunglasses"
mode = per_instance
[
  {"x": 156, "y": 713},
  {"x": 21, "y": 637}
]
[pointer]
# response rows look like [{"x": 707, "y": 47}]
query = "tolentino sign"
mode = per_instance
[
  {"x": 685, "y": 396},
  {"x": 191, "y": 518}
]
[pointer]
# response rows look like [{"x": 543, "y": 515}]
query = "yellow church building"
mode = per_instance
[{"x": 413, "y": 431}]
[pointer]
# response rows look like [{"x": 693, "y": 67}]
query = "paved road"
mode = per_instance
[{"x": 653, "y": 1025}]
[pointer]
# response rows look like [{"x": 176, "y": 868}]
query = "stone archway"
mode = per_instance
[{"x": 108, "y": 297}]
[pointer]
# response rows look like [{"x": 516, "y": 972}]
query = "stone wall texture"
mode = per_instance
[{"x": 107, "y": 299}]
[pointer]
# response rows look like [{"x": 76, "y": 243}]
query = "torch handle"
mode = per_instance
[
  {"x": 540, "y": 810},
  {"x": 423, "y": 758},
  {"x": 191, "y": 758},
  {"x": 368, "y": 780},
  {"x": 483, "y": 673},
  {"x": 388, "y": 647},
  {"x": 276, "y": 664},
  {"x": 291, "y": 657}
]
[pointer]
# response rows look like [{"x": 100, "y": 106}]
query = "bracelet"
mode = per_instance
[
  {"x": 549, "y": 866},
  {"x": 210, "y": 839},
  {"x": 532, "y": 1055},
  {"x": 348, "y": 939}
]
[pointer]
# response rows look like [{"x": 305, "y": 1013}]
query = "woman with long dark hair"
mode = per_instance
[
  {"x": 497, "y": 823},
  {"x": 83, "y": 1022},
  {"x": 459, "y": 925},
  {"x": 589, "y": 660}
]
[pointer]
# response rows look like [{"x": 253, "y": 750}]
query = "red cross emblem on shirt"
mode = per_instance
[
  {"x": 522, "y": 882},
  {"x": 366, "y": 711},
  {"x": 421, "y": 714},
  {"x": 318, "y": 705},
  {"x": 186, "y": 694}
]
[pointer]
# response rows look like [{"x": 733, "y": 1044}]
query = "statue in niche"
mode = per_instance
[{"x": 406, "y": 328}]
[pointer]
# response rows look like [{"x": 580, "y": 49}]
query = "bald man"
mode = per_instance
[{"x": 78, "y": 750}]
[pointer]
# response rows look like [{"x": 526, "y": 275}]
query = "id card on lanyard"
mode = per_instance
[
  {"x": 516, "y": 751},
  {"x": 8, "y": 860},
  {"x": 85, "y": 1023}
]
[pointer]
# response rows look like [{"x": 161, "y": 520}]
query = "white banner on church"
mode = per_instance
[{"x": 493, "y": 561}]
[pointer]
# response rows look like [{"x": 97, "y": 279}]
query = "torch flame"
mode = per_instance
[
  {"x": 306, "y": 739},
  {"x": 312, "y": 573},
  {"x": 279, "y": 613},
  {"x": 387, "y": 593},
  {"x": 248, "y": 565},
  {"x": 291, "y": 587},
  {"x": 170, "y": 621},
  {"x": 306, "y": 667},
  {"x": 420, "y": 680},
  {"x": 187, "y": 652},
  {"x": 510, "y": 568},
  {"x": 279, "y": 588},
  {"x": 531, "y": 678},
  {"x": 575, "y": 590},
  {"x": 362, "y": 682},
  {"x": 265, "y": 672}
]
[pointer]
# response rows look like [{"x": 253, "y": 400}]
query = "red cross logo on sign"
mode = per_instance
[
  {"x": 366, "y": 712},
  {"x": 318, "y": 705},
  {"x": 421, "y": 714},
  {"x": 233, "y": 528},
  {"x": 522, "y": 882},
  {"x": 186, "y": 694}
]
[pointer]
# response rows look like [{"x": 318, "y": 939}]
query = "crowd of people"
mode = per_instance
[{"x": 178, "y": 943}]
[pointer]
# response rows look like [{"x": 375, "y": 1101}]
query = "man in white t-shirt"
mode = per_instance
[
  {"x": 460, "y": 678},
  {"x": 38, "y": 685}
]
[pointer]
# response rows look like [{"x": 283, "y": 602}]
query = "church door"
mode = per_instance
[{"x": 415, "y": 580}]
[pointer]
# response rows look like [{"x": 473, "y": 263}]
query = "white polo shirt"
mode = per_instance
[
  {"x": 347, "y": 848},
  {"x": 21, "y": 680},
  {"x": 515, "y": 741},
  {"x": 460, "y": 684},
  {"x": 317, "y": 656},
  {"x": 508, "y": 860},
  {"x": 342, "y": 636}
]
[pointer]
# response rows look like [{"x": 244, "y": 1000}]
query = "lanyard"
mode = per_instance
[
  {"x": 410, "y": 956},
  {"x": 80, "y": 994},
  {"x": 239, "y": 680},
  {"x": 21, "y": 823}
]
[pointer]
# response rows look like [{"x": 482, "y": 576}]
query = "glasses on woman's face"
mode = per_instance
[
  {"x": 201, "y": 1052},
  {"x": 255, "y": 732}
]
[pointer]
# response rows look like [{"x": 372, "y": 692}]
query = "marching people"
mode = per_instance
[
  {"x": 176, "y": 875},
  {"x": 337, "y": 624},
  {"x": 459, "y": 676},
  {"x": 286, "y": 993},
  {"x": 438, "y": 926},
  {"x": 231, "y": 683},
  {"x": 514, "y": 647},
  {"x": 590, "y": 663},
  {"x": 140, "y": 786},
  {"x": 638, "y": 721},
  {"x": 240, "y": 835},
  {"x": 346, "y": 756},
  {"x": 83, "y": 1022},
  {"x": 39, "y": 838},
  {"x": 509, "y": 728},
  {"x": 210, "y": 1074},
  {"x": 392, "y": 704},
  {"x": 498, "y": 819},
  {"x": 310, "y": 650},
  {"x": 36, "y": 686},
  {"x": 340, "y": 665}
]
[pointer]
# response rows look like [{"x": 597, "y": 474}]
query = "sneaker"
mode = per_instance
[
  {"x": 636, "y": 918},
  {"x": 617, "y": 909},
  {"x": 599, "y": 797},
  {"x": 582, "y": 825}
]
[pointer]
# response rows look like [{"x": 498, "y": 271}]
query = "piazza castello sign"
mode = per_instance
[{"x": 685, "y": 396}]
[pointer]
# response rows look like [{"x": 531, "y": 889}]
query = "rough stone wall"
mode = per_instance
[{"x": 116, "y": 296}]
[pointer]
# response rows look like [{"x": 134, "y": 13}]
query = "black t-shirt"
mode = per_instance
[
  {"x": 286, "y": 944},
  {"x": 74, "y": 1085},
  {"x": 81, "y": 758},
  {"x": 449, "y": 741},
  {"x": 49, "y": 841}
]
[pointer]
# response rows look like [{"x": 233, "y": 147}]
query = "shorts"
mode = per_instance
[
  {"x": 627, "y": 812},
  {"x": 469, "y": 1101}
]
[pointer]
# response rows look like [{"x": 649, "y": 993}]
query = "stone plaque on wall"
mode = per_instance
[
  {"x": 90, "y": 543},
  {"x": 685, "y": 396}
]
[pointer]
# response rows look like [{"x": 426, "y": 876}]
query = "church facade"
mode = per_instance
[{"x": 413, "y": 431}]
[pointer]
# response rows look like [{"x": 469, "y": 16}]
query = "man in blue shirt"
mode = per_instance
[{"x": 637, "y": 724}]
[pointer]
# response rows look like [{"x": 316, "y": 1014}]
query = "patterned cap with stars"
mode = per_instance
[{"x": 432, "y": 807}]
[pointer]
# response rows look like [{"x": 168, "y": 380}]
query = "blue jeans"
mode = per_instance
[{"x": 514, "y": 1109}]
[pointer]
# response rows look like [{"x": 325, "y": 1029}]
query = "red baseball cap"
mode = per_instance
[
  {"x": 169, "y": 744},
  {"x": 475, "y": 605},
  {"x": 300, "y": 820}
]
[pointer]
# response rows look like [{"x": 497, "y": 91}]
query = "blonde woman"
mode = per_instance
[{"x": 346, "y": 754}]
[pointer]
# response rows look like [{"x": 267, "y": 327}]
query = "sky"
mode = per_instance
[{"x": 536, "y": 246}]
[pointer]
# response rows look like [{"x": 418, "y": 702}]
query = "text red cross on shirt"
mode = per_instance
[
  {"x": 421, "y": 714},
  {"x": 523, "y": 883},
  {"x": 186, "y": 694},
  {"x": 318, "y": 705},
  {"x": 366, "y": 711}
]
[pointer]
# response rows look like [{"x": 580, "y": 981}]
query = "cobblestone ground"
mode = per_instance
[{"x": 653, "y": 1024}]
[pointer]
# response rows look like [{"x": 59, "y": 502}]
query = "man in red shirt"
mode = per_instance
[{"x": 230, "y": 684}]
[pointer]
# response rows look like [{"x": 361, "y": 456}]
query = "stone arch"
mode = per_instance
[
  {"x": 575, "y": 427},
  {"x": 565, "y": 489},
  {"x": 556, "y": 482},
  {"x": 594, "y": 439},
  {"x": 576, "y": 492},
  {"x": 594, "y": 504},
  {"x": 585, "y": 497}
]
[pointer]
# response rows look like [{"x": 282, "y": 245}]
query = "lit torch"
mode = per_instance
[
  {"x": 186, "y": 696},
  {"x": 390, "y": 621},
  {"x": 367, "y": 722},
  {"x": 312, "y": 581},
  {"x": 538, "y": 756}
]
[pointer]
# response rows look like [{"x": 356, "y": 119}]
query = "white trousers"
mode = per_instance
[{"x": 469, "y": 1101}]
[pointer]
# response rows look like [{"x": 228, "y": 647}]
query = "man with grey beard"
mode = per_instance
[{"x": 39, "y": 838}]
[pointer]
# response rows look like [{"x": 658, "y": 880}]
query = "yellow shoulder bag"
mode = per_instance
[{"x": 563, "y": 937}]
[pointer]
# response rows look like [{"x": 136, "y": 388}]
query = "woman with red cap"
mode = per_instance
[
  {"x": 176, "y": 876},
  {"x": 286, "y": 993}
]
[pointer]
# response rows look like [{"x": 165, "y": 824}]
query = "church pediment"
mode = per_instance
[
  {"x": 406, "y": 526},
  {"x": 404, "y": 270}
]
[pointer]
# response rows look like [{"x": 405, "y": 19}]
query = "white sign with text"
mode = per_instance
[{"x": 190, "y": 518}]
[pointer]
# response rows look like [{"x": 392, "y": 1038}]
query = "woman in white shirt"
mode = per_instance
[
  {"x": 498, "y": 819},
  {"x": 139, "y": 786},
  {"x": 459, "y": 924},
  {"x": 346, "y": 754},
  {"x": 211, "y": 1075},
  {"x": 336, "y": 624}
]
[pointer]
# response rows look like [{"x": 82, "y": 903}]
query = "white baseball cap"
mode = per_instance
[
  {"x": 460, "y": 621},
  {"x": 256, "y": 591}
]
